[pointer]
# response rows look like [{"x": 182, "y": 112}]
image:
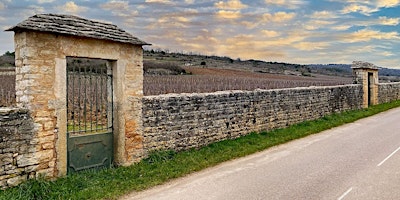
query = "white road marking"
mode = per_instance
[
  {"x": 345, "y": 194},
  {"x": 388, "y": 157}
]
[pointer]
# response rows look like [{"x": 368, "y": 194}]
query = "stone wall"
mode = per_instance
[
  {"x": 388, "y": 92},
  {"x": 184, "y": 121},
  {"x": 18, "y": 147}
]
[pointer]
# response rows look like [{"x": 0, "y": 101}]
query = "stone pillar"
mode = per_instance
[
  {"x": 35, "y": 78},
  {"x": 366, "y": 74}
]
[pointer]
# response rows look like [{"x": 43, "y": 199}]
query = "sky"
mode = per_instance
[{"x": 292, "y": 31}]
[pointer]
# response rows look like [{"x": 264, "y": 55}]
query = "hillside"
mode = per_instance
[
  {"x": 192, "y": 60},
  {"x": 7, "y": 60},
  {"x": 160, "y": 62}
]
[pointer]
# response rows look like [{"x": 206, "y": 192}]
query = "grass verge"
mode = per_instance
[{"x": 162, "y": 166}]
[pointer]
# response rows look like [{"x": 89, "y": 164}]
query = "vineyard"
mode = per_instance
[
  {"x": 204, "y": 80},
  {"x": 7, "y": 90},
  {"x": 211, "y": 79}
]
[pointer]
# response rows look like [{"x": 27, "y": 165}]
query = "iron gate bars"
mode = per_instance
[{"x": 89, "y": 96}]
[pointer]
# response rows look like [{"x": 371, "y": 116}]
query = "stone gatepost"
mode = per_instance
[
  {"x": 42, "y": 44},
  {"x": 366, "y": 74}
]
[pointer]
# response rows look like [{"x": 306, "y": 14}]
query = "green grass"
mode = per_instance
[{"x": 160, "y": 167}]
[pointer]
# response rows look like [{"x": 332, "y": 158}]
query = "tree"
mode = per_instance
[{"x": 9, "y": 53}]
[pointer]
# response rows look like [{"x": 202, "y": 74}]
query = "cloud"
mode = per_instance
[
  {"x": 341, "y": 27},
  {"x": 168, "y": 2},
  {"x": 230, "y": 5},
  {"x": 71, "y": 7},
  {"x": 386, "y": 53},
  {"x": 180, "y": 19},
  {"x": 2, "y": 6},
  {"x": 291, "y": 4},
  {"x": 121, "y": 9},
  {"x": 389, "y": 21},
  {"x": 115, "y": 5},
  {"x": 248, "y": 47},
  {"x": 202, "y": 43},
  {"x": 317, "y": 24},
  {"x": 171, "y": 21},
  {"x": 45, "y": 1},
  {"x": 381, "y": 21},
  {"x": 309, "y": 46},
  {"x": 388, "y": 3},
  {"x": 366, "y": 35},
  {"x": 270, "y": 34},
  {"x": 323, "y": 15},
  {"x": 278, "y": 17},
  {"x": 354, "y": 8},
  {"x": 367, "y": 7},
  {"x": 35, "y": 9},
  {"x": 227, "y": 14}
]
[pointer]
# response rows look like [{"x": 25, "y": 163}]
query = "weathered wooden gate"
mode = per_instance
[{"x": 89, "y": 114}]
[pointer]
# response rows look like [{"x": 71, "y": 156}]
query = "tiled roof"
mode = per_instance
[{"x": 72, "y": 25}]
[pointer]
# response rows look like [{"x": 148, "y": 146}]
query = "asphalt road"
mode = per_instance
[{"x": 360, "y": 160}]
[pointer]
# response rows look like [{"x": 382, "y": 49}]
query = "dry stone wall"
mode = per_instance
[
  {"x": 184, "y": 121},
  {"x": 388, "y": 92},
  {"x": 18, "y": 147}
]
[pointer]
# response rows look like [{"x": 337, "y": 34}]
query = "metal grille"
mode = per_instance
[{"x": 89, "y": 97}]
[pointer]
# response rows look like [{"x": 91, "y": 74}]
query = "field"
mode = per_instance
[
  {"x": 216, "y": 79},
  {"x": 205, "y": 80},
  {"x": 7, "y": 90}
]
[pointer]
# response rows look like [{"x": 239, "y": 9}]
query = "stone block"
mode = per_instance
[
  {"x": 16, "y": 180},
  {"x": 27, "y": 159}
]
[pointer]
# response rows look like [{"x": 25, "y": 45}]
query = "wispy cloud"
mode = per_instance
[
  {"x": 278, "y": 17},
  {"x": 71, "y": 7},
  {"x": 324, "y": 15},
  {"x": 230, "y": 5},
  {"x": 388, "y": 3},
  {"x": 115, "y": 5},
  {"x": 45, "y": 1},
  {"x": 317, "y": 24},
  {"x": 167, "y": 2},
  {"x": 228, "y": 14},
  {"x": 270, "y": 34},
  {"x": 2, "y": 6},
  {"x": 292, "y": 4},
  {"x": 389, "y": 21},
  {"x": 354, "y": 8},
  {"x": 366, "y": 35},
  {"x": 309, "y": 46}
]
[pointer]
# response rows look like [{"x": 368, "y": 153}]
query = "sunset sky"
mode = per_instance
[{"x": 293, "y": 31}]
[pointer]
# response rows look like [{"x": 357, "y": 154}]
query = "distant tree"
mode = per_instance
[
  {"x": 9, "y": 53},
  {"x": 203, "y": 63}
]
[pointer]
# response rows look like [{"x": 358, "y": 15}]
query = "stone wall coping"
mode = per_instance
[
  {"x": 227, "y": 92},
  {"x": 393, "y": 83},
  {"x": 363, "y": 65},
  {"x": 8, "y": 110}
]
